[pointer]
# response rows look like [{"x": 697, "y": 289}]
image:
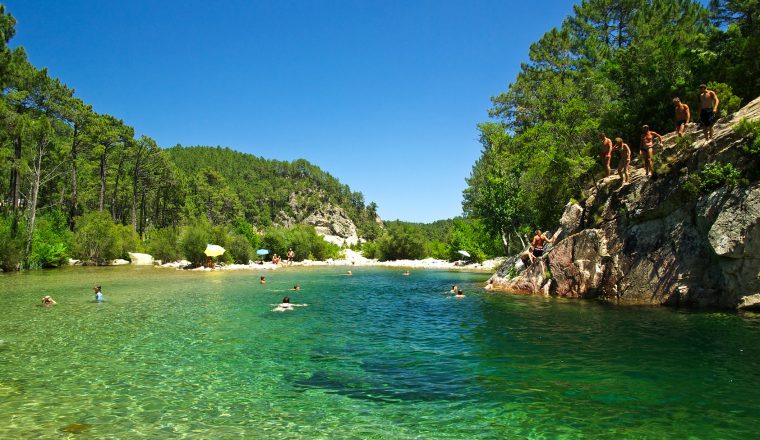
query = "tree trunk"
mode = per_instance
[
  {"x": 116, "y": 189},
  {"x": 74, "y": 207},
  {"x": 522, "y": 242},
  {"x": 15, "y": 184},
  {"x": 103, "y": 169},
  {"x": 36, "y": 174},
  {"x": 504, "y": 241},
  {"x": 142, "y": 214},
  {"x": 135, "y": 176}
]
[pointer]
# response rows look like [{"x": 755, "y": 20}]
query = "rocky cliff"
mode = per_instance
[
  {"x": 657, "y": 240},
  {"x": 329, "y": 220}
]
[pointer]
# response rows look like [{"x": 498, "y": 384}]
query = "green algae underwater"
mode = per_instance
[{"x": 374, "y": 355}]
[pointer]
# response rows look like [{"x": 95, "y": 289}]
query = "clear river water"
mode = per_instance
[{"x": 180, "y": 354}]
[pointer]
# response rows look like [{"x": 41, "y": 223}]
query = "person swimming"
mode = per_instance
[
  {"x": 460, "y": 294},
  {"x": 263, "y": 280},
  {"x": 454, "y": 289},
  {"x": 98, "y": 293},
  {"x": 286, "y": 305},
  {"x": 48, "y": 301},
  {"x": 296, "y": 287}
]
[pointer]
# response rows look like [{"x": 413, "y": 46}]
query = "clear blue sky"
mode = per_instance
[{"x": 385, "y": 95}]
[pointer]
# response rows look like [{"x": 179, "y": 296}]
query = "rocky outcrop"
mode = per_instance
[
  {"x": 138, "y": 259},
  {"x": 329, "y": 220},
  {"x": 333, "y": 224},
  {"x": 655, "y": 242}
]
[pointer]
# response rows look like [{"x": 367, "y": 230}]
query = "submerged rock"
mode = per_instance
[
  {"x": 654, "y": 242},
  {"x": 76, "y": 428}
]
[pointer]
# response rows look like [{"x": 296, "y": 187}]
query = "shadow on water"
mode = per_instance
[{"x": 384, "y": 382}]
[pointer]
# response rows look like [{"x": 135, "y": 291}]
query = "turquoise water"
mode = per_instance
[{"x": 376, "y": 355}]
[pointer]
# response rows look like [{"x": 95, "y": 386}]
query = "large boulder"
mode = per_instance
[
  {"x": 576, "y": 264},
  {"x": 139, "y": 259},
  {"x": 571, "y": 221}
]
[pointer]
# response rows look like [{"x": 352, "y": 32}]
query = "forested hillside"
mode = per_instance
[
  {"x": 77, "y": 183},
  {"x": 612, "y": 66},
  {"x": 259, "y": 189}
]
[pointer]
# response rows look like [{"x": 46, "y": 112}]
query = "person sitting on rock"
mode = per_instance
[
  {"x": 538, "y": 243},
  {"x": 625, "y": 160}
]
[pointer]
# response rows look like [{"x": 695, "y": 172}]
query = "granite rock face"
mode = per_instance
[
  {"x": 333, "y": 224},
  {"x": 311, "y": 207},
  {"x": 655, "y": 242}
]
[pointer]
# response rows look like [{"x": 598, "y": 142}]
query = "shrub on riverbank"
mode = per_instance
[
  {"x": 52, "y": 242},
  {"x": 163, "y": 244},
  {"x": 97, "y": 239},
  {"x": 11, "y": 250}
]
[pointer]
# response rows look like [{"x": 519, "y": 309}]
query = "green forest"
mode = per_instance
[
  {"x": 79, "y": 184},
  {"x": 612, "y": 66}
]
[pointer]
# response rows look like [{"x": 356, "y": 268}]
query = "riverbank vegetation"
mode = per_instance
[{"x": 612, "y": 66}]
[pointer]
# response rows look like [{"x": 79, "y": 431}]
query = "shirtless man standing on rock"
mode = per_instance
[
  {"x": 708, "y": 109},
  {"x": 647, "y": 148},
  {"x": 606, "y": 153},
  {"x": 683, "y": 116},
  {"x": 625, "y": 160}
]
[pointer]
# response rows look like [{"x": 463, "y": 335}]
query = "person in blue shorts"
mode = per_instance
[{"x": 708, "y": 108}]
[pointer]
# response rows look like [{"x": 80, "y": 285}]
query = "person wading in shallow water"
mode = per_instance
[
  {"x": 647, "y": 147},
  {"x": 606, "y": 154},
  {"x": 708, "y": 109}
]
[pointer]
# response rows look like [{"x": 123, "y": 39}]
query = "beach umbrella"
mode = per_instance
[
  {"x": 261, "y": 253},
  {"x": 213, "y": 250},
  {"x": 465, "y": 253}
]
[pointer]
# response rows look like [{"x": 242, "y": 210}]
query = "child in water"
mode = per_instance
[{"x": 98, "y": 293}]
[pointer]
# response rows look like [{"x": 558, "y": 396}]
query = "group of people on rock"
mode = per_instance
[{"x": 708, "y": 103}]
